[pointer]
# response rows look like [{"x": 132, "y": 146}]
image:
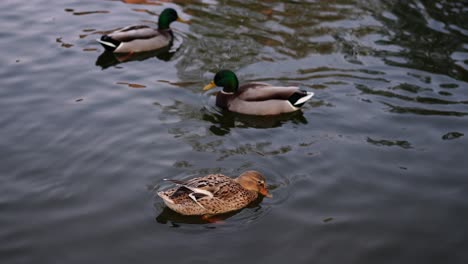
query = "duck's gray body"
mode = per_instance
[
  {"x": 258, "y": 98},
  {"x": 137, "y": 39}
]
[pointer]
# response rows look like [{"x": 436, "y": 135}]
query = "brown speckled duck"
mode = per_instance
[
  {"x": 214, "y": 194},
  {"x": 142, "y": 38},
  {"x": 256, "y": 98}
]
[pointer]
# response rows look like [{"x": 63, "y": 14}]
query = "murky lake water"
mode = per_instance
[{"x": 373, "y": 170}]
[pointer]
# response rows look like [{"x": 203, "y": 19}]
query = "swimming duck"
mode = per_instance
[
  {"x": 142, "y": 38},
  {"x": 256, "y": 98},
  {"x": 214, "y": 194}
]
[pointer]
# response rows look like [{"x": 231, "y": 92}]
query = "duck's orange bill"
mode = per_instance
[
  {"x": 183, "y": 21},
  {"x": 209, "y": 86},
  {"x": 265, "y": 193}
]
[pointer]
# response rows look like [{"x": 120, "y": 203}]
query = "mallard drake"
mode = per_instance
[
  {"x": 256, "y": 98},
  {"x": 142, "y": 38},
  {"x": 214, "y": 194}
]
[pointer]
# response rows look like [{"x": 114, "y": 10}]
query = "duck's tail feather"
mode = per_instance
[
  {"x": 108, "y": 43},
  {"x": 165, "y": 197},
  {"x": 298, "y": 98}
]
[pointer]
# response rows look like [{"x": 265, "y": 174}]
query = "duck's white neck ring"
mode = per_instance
[{"x": 223, "y": 92}]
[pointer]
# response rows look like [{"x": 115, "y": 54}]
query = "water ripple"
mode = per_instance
[{"x": 384, "y": 136}]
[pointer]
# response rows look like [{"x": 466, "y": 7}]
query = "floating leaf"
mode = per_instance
[
  {"x": 142, "y": 2},
  {"x": 132, "y": 85},
  {"x": 144, "y": 11},
  {"x": 452, "y": 135},
  {"x": 267, "y": 12},
  {"x": 389, "y": 143},
  {"x": 180, "y": 84},
  {"x": 90, "y": 12},
  {"x": 65, "y": 45}
]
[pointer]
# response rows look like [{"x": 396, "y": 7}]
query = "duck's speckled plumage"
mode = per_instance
[{"x": 223, "y": 194}]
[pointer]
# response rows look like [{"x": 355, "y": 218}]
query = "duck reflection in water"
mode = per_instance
[
  {"x": 108, "y": 59},
  {"x": 224, "y": 120}
]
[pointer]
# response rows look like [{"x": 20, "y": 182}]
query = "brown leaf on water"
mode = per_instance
[
  {"x": 144, "y": 11},
  {"x": 69, "y": 10},
  {"x": 132, "y": 85},
  {"x": 267, "y": 12},
  {"x": 90, "y": 12},
  {"x": 89, "y": 49},
  {"x": 326, "y": 220},
  {"x": 135, "y": 85},
  {"x": 140, "y": 2},
  {"x": 65, "y": 45},
  {"x": 452, "y": 135},
  {"x": 264, "y": 58},
  {"x": 180, "y": 84}
]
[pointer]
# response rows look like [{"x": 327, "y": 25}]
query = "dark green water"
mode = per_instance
[{"x": 373, "y": 170}]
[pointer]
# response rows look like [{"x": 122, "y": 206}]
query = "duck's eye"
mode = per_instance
[{"x": 259, "y": 182}]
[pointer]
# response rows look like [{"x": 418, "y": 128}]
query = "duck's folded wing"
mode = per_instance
[
  {"x": 268, "y": 107},
  {"x": 188, "y": 188},
  {"x": 262, "y": 91},
  {"x": 134, "y": 32}
]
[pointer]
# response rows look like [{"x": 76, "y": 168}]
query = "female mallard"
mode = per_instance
[
  {"x": 214, "y": 193},
  {"x": 256, "y": 98},
  {"x": 142, "y": 38}
]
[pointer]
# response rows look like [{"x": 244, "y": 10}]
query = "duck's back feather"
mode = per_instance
[
  {"x": 256, "y": 91},
  {"x": 134, "y": 32},
  {"x": 267, "y": 107}
]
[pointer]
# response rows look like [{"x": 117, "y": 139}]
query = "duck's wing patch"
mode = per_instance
[
  {"x": 128, "y": 34},
  {"x": 187, "y": 188},
  {"x": 126, "y": 29},
  {"x": 193, "y": 193}
]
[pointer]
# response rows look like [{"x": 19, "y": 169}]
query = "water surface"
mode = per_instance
[{"x": 372, "y": 170}]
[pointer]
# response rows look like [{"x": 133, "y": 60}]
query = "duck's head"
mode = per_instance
[
  {"x": 253, "y": 181},
  {"x": 226, "y": 79},
  {"x": 168, "y": 16}
]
